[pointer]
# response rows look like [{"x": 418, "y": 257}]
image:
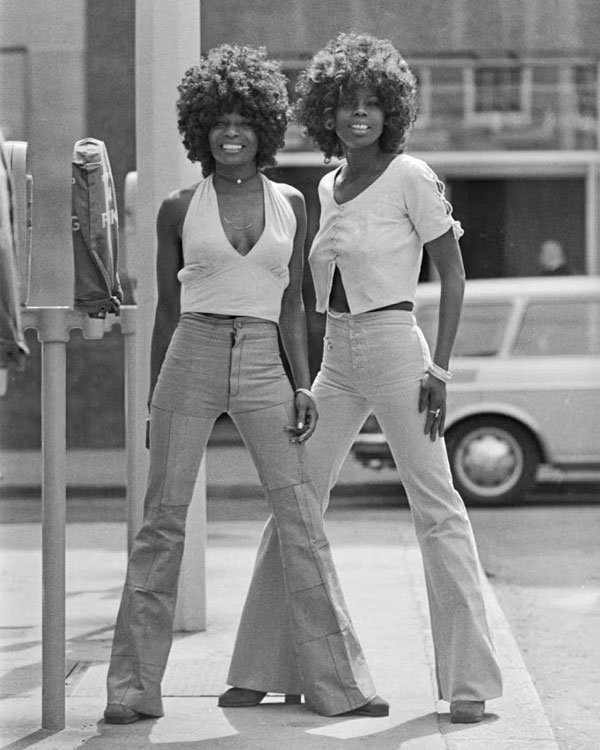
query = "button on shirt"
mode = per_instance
[{"x": 376, "y": 238}]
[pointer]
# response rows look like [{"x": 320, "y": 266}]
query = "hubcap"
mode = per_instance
[{"x": 489, "y": 461}]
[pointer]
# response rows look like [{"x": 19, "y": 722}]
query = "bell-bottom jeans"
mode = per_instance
[
  {"x": 214, "y": 366},
  {"x": 374, "y": 362}
]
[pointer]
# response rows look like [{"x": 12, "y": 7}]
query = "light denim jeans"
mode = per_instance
[
  {"x": 375, "y": 362},
  {"x": 214, "y": 366}
]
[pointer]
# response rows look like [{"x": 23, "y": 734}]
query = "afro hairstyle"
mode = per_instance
[
  {"x": 227, "y": 76},
  {"x": 346, "y": 63}
]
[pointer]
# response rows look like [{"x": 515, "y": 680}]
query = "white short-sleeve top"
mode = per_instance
[{"x": 376, "y": 238}]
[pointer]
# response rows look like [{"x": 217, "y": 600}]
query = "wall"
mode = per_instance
[
  {"x": 80, "y": 77},
  {"x": 480, "y": 26},
  {"x": 53, "y": 35},
  {"x": 110, "y": 83}
]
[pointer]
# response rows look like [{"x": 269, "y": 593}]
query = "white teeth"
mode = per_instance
[
  {"x": 232, "y": 147},
  {"x": 360, "y": 128}
]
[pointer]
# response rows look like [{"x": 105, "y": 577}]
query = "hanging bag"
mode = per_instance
[{"x": 95, "y": 225}]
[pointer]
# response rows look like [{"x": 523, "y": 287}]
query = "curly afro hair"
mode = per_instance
[
  {"x": 227, "y": 76},
  {"x": 334, "y": 74}
]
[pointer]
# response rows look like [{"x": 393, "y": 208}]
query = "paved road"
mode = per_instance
[{"x": 544, "y": 564}]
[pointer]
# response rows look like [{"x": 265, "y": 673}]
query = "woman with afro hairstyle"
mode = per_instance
[
  {"x": 378, "y": 210},
  {"x": 229, "y": 274}
]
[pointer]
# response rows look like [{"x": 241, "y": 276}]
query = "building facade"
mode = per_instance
[
  {"x": 509, "y": 96},
  {"x": 509, "y": 118},
  {"x": 509, "y": 93}
]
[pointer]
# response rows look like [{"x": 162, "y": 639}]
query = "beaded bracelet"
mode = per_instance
[
  {"x": 306, "y": 392},
  {"x": 439, "y": 373}
]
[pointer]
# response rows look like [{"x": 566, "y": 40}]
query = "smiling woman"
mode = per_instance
[
  {"x": 379, "y": 210},
  {"x": 229, "y": 276},
  {"x": 223, "y": 80}
]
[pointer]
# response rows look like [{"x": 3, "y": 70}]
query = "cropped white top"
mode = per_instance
[
  {"x": 215, "y": 278},
  {"x": 376, "y": 238}
]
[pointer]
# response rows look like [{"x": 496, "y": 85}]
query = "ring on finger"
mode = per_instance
[{"x": 435, "y": 412}]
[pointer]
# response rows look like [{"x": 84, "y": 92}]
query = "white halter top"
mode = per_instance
[{"x": 216, "y": 278}]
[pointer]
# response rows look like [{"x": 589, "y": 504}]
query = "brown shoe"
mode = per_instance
[
  {"x": 246, "y": 698},
  {"x": 374, "y": 708},
  {"x": 240, "y": 698},
  {"x": 466, "y": 712},
  {"x": 119, "y": 713}
]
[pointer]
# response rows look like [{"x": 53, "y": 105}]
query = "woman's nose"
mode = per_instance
[
  {"x": 360, "y": 107},
  {"x": 232, "y": 129}
]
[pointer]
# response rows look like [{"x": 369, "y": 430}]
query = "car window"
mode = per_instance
[
  {"x": 559, "y": 329},
  {"x": 481, "y": 330}
]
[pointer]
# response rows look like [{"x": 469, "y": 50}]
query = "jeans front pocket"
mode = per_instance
[{"x": 398, "y": 354}]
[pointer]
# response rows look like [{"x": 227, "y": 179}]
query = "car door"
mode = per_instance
[{"x": 557, "y": 350}]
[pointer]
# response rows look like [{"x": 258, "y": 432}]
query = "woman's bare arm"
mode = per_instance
[
  {"x": 169, "y": 260},
  {"x": 292, "y": 324},
  {"x": 444, "y": 251}
]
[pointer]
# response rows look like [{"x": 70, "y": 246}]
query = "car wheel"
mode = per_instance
[{"x": 493, "y": 460}]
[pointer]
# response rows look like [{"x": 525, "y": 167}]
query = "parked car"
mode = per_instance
[{"x": 526, "y": 386}]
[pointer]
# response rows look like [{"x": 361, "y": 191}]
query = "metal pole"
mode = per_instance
[
  {"x": 53, "y": 336},
  {"x": 592, "y": 220},
  {"x": 134, "y": 448}
]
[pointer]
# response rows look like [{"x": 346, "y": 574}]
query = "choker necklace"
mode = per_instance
[{"x": 236, "y": 180}]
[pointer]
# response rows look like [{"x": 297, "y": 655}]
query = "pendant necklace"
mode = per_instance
[
  {"x": 237, "y": 181},
  {"x": 235, "y": 226}
]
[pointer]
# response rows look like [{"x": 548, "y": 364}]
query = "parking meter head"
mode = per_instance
[
  {"x": 13, "y": 349},
  {"x": 95, "y": 230}
]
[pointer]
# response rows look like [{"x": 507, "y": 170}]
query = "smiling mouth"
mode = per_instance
[
  {"x": 232, "y": 148},
  {"x": 359, "y": 128}
]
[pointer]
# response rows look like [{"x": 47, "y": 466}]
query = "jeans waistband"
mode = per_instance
[
  {"x": 402, "y": 317},
  {"x": 233, "y": 321}
]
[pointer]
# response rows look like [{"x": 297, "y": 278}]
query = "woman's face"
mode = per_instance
[
  {"x": 232, "y": 139},
  {"x": 359, "y": 120}
]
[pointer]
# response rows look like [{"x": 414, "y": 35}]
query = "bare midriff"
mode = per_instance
[{"x": 338, "y": 302}]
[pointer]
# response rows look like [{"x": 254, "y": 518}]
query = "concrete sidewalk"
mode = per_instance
[
  {"x": 381, "y": 574},
  {"x": 229, "y": 473}
]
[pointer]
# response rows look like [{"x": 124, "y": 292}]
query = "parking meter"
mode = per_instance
[
  {"x": 13, "y": 349},
  {"x": 15, "y": 153},
  {"x": 95, "y": 226}
]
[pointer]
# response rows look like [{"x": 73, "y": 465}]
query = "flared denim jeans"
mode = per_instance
[
  {"x": 375, "y": 362},
  {"x": 233, "y": 365}
]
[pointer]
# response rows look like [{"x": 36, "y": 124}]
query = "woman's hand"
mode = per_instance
[
  {"x": 432, "y": 399},
  {"x": 306, "y": 418}
]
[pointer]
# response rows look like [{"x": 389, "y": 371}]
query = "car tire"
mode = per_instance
[{"x": 494, "y": 460}]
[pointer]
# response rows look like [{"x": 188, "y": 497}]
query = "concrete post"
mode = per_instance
[{"x": 167, "y": 43}]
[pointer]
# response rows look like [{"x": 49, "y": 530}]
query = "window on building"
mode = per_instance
[
  {"x": 423, "y": 76},
  {"x": 559, "y": 329},
  {"x": 498, "y": 89},
  {"x": 295, "y": 140},
  {"x": 585, "y": 77},
  {"x": 497, "y": 94}
]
